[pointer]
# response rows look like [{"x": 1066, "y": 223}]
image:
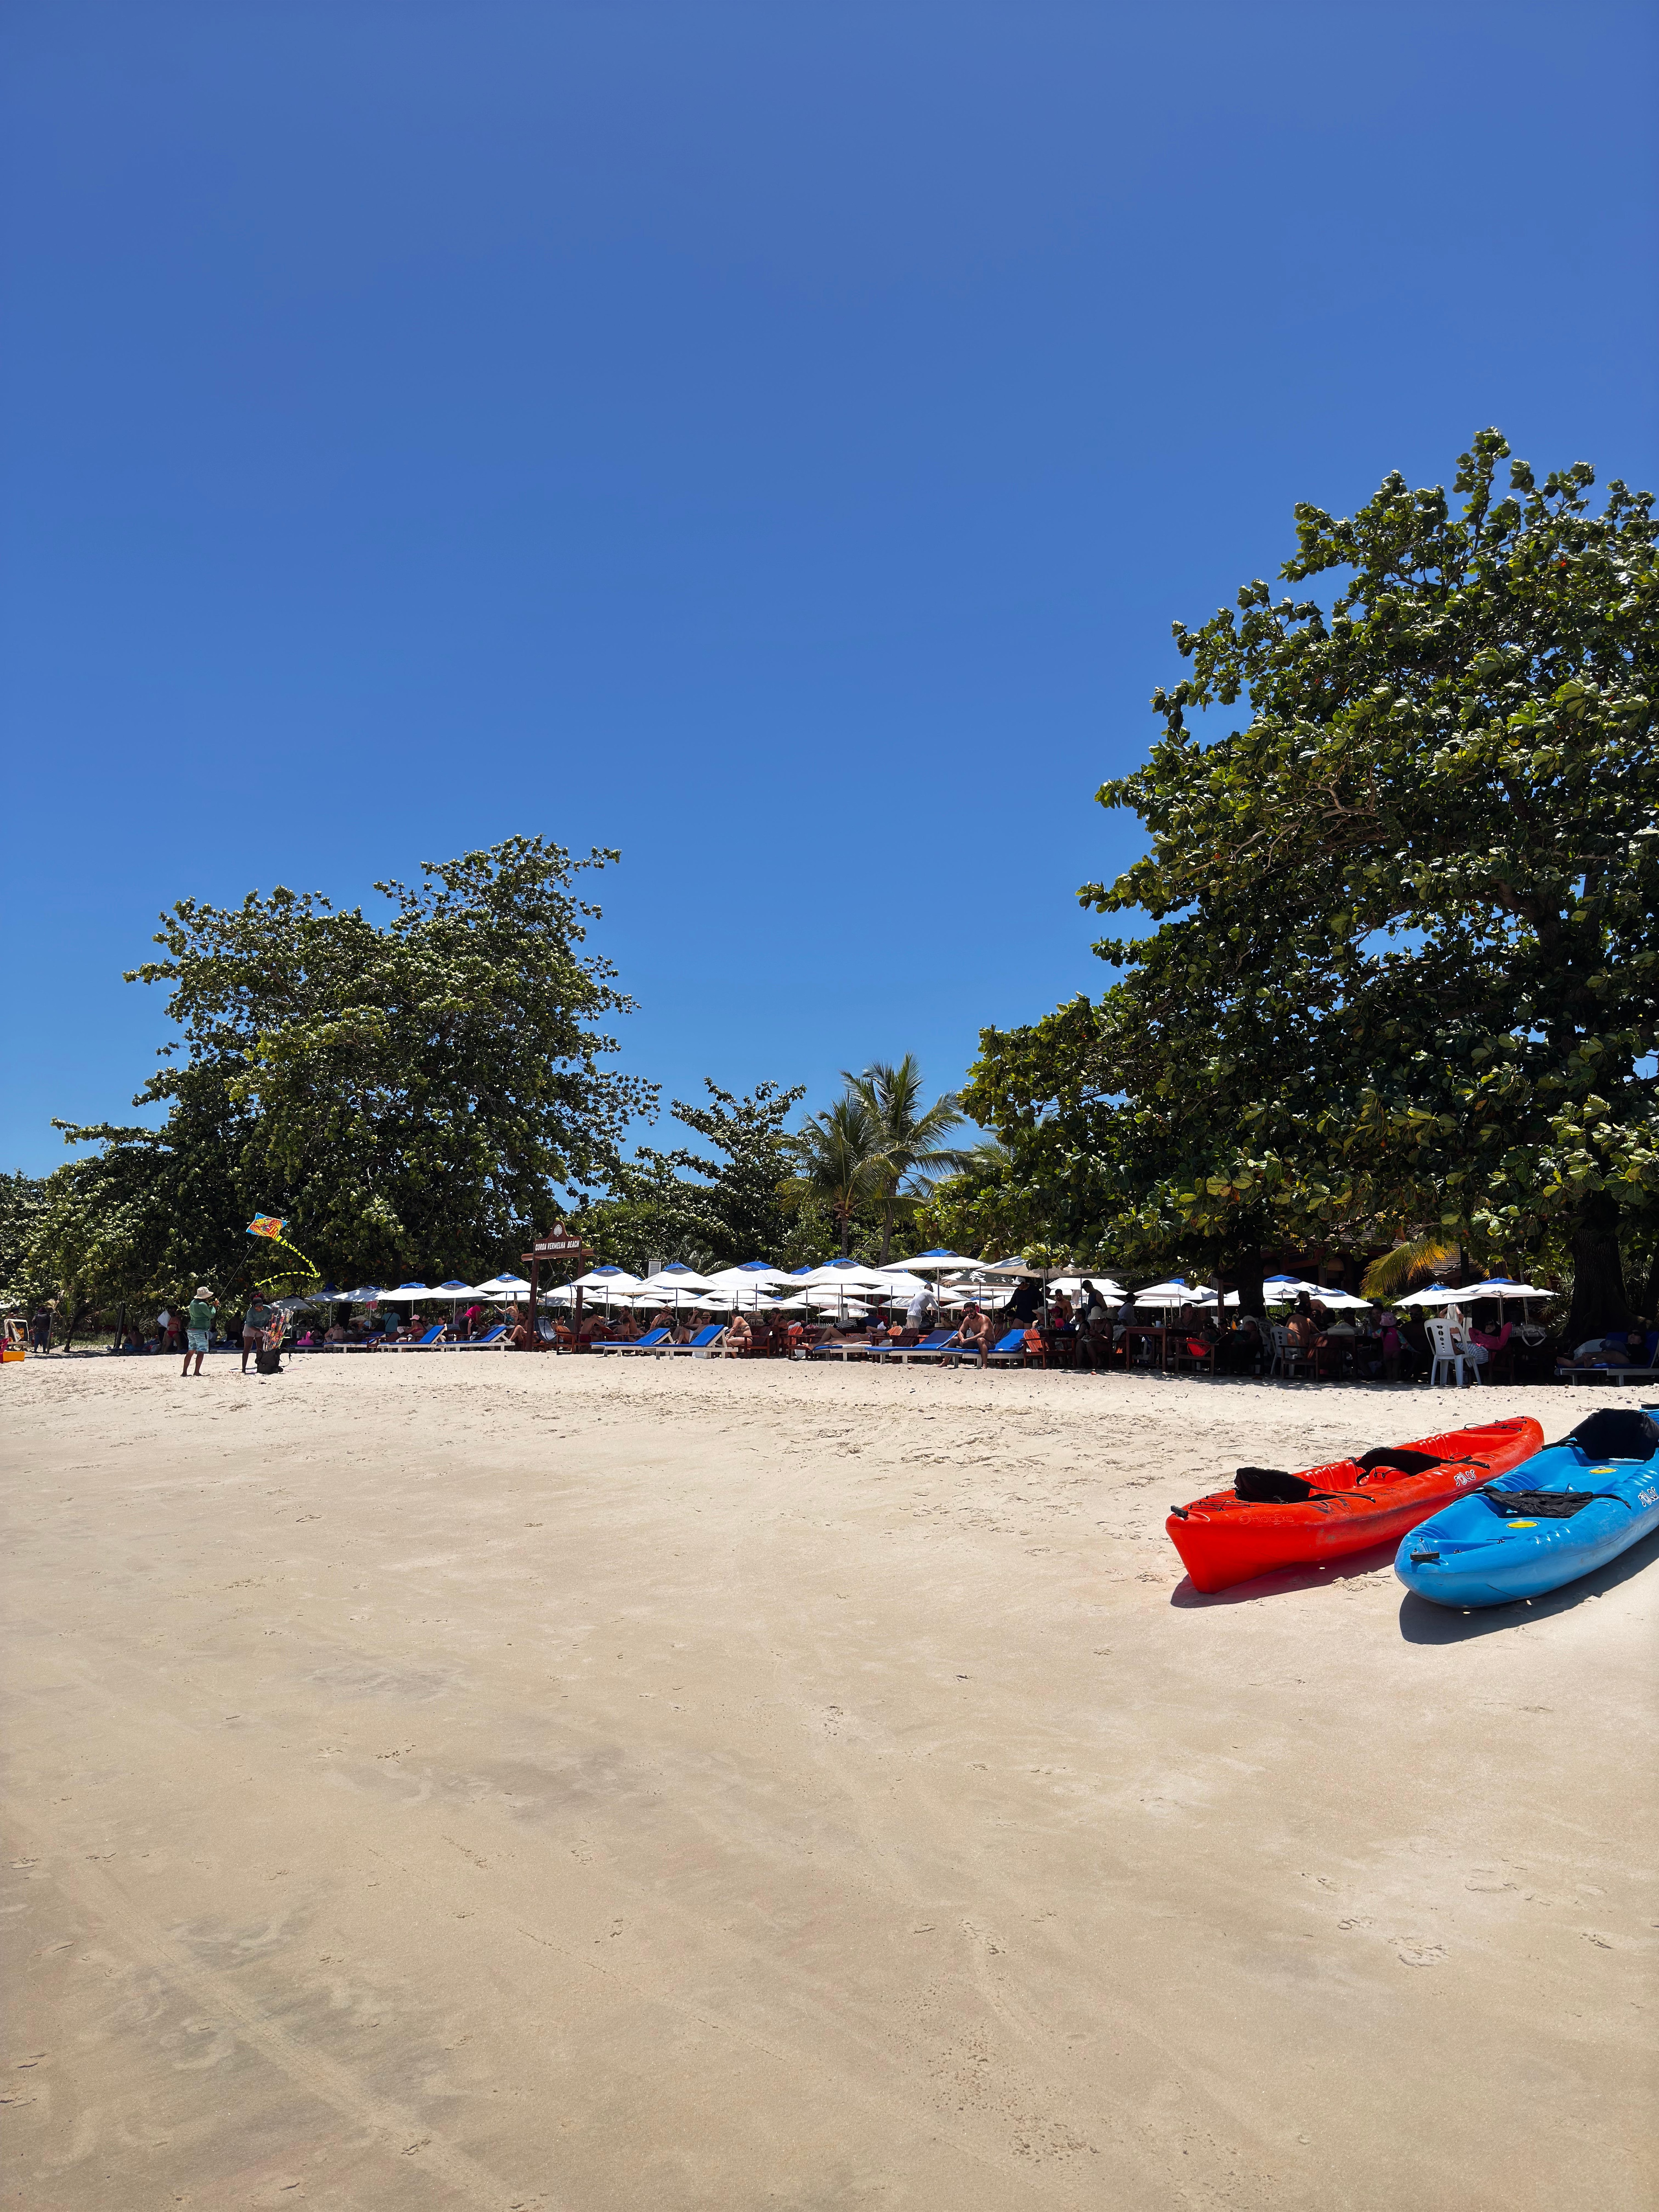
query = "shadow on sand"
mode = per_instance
[
  {"x": 1423, "y": 1622},
  {"x": 1287, "y": 1580}
]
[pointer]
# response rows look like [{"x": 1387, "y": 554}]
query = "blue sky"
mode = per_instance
[{"x": 773, "y": 439}]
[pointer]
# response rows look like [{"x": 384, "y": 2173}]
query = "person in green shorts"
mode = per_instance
[{"x": 199, "y": 1322}]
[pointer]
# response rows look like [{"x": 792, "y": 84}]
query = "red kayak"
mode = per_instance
[{"x": 1271, "y": 1519}]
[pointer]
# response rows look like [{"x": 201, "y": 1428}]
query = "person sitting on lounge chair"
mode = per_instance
[
  {"x": 740, "y": 1338},
  {"x": 977, "y": 1333},
  {"x": 1619, "y": 1348}
]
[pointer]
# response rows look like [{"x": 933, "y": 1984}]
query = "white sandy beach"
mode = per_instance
[{"x": 460, "y": 1781}]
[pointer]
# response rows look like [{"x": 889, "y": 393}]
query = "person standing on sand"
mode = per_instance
[
  {"x": 200, "y": 1319},
  {"x": 255, "y": 1321}
]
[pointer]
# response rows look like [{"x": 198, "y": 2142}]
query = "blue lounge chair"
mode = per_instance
[
  {"x": 1009, "y": 1350},
  {"x": 494, "y": 1340},
  {"x": 432, "y": 1337},
  {"x": 935, "y": 1346},
  {"x": 702, "y": 1344},
  {"x": 652, "y": 1341}
]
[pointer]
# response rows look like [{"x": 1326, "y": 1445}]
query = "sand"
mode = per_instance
[{"x": 529, "y": 1782}]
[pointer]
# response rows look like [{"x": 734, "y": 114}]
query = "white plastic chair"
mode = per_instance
[{"x": 1447, "y": 1356}]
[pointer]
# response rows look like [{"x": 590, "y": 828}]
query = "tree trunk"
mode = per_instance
[
  {"x": 846, "y": 1234},
  {"x": 1598, "y": 1272},
  {"x": 1247, "y": 1272},
  {"x": 886, "y": 1231}
]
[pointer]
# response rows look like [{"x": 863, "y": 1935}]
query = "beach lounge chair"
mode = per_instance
[
  {"x": 1565, "y": 1372},
  {"x": 494, "y": 1341},
  {"x": 937, "y": 1346},
  {"x": 652, "y": 1341},
  {"x": 702, "y": 1344},
  {"x": 844, "y": 1348},
  {"x": 1008, "y": 1351},
  {"x": 427, "y": 1343}
]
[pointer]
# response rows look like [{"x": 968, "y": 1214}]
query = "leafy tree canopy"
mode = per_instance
[
  {"x": 714, "y": 1211},
  {"x": 409, "y": 1091},
  {"x": 1404, "y": 970}
]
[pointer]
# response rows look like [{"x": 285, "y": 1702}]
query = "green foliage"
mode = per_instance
[
  {"x": 1403, "y": 971},
  {"x": 409, "y": 1093},
  {"x": 910, "y": 1138},
  {"x": 839, "y": 1162},
  {"x": 22, "y": 1199},
  {"x": 726, "y": 1209}
]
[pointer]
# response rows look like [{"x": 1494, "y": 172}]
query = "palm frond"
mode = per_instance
[{"x": 1396, "y": 1271}]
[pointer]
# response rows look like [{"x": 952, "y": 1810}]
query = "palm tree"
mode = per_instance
[
  {"x": 840, "y": 1158},
  {"x": 1387, "y": 1277},
  {"x": 909, "y": 1136}
]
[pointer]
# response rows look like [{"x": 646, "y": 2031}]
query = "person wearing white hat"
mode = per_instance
[{"x": 200, "y": 1318}]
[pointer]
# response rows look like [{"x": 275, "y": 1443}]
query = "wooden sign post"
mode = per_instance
[{"x": 553, "y": 1244}]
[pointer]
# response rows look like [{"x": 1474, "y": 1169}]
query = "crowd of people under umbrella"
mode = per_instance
[{"x": 944, "y": 1305}]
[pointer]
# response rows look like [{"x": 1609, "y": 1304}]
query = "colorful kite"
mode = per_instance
[{"x": 287, "y": 1282}]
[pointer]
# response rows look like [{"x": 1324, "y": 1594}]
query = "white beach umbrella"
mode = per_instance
[
  {"x": 938, "y": 1261},
  {"x": 609, "y": 1282},
  {"x": 1072, "y": 1284},
  {"x": 899, "y": 1284},
  {"x": 849, "y": 1276},
  {"x": 1343, "y": 1301},
  {"x": 1497, "y": 1286},
  {"x": 1285, "y": 1290},
  {"x": 1436, "y": 1294},
  {"x": 502, "y": 1286},
  {"x": 676, "y": 1276},
  {"x": 408, "y": 1294},
  {"x": 750, "y": 1274},
  {"x": 1174, "y": 1293}
]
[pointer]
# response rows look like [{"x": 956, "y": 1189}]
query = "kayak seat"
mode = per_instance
[
  {"x": 1398, "y": 1462},
  {"x": 1545, "y": 1505},
  {"x": 1616, "y": 1432},
  {"x": 1271, "y": 1485}
]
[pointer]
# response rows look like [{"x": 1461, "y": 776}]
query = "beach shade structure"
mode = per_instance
[
  {"x": 499, "y": 1288},
  {"x": 938, "y": 1261},
  {"x": 407, "y": 1294},
  {"x": 901, "y": 1285},
  {"x": 1017, "y": 1267},
  {"x": 1175, "y": 1293},
  {"x": 1343, "y": 1301},
  {"x": 454, "y": 1288},
  {"x": 609, "y": 1282},
  {"x": 676, "y": 1276},
  {"x": 1500, "y": 1287},
  {"x": 1285, "y": 1290},
  {"x": 751, "y": 1284},
  {"x": 1107, "y": 1286},
  {"x": 366, "y": 1294},
  {"x": 1436, "y": 1294},
  {"x": 845, "y": 1274}
]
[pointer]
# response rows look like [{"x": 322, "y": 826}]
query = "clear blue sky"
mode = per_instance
[{"x": 773, "y": 439}]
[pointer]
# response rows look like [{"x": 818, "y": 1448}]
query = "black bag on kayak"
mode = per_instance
[{"x": 1616, "y": 1432}]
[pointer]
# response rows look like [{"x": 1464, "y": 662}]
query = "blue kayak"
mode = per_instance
[{"x": 1562, "y": 1513}]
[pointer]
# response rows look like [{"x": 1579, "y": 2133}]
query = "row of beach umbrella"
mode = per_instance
[{"x": 851, "y": 1287}]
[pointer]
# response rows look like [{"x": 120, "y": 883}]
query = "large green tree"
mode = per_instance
[
  {"x": 723, "y": 1207},
  {"x": 410, "y": 1091},
  {"x": 1403, "y": 969}
]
